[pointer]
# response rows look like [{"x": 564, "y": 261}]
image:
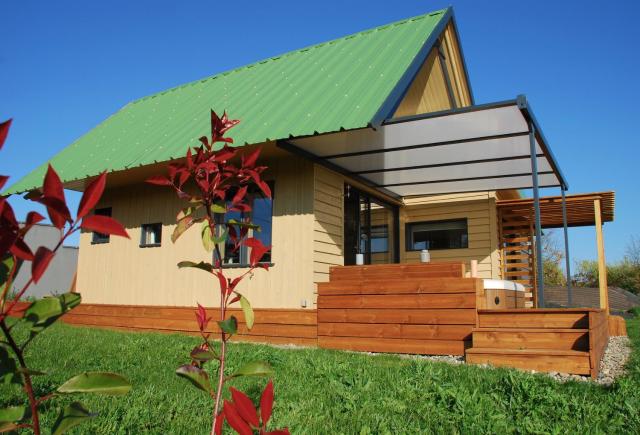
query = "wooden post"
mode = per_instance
[{"x": 602, "y": 264}]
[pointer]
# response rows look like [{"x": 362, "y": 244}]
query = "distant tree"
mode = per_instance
[
  {"x": 633, "y": 250},
  {"x": 552, "y": 258},
  {"x": 624, "y": 274}
]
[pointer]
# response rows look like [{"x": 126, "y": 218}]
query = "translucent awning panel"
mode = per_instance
[{"x": 471, "y": 149}]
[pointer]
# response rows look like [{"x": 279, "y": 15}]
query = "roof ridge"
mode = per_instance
[{"x": 289, "y": 53}]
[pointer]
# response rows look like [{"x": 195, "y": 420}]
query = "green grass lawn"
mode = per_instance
[{"x": 321, "y": 391}]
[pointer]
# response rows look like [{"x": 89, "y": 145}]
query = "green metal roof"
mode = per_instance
[{"x": 341, "y": 84}]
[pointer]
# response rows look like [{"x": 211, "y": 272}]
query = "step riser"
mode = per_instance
[
  {"x": 533, "y": 320},
  {"x": 541, "y": 363},
  {"x": 532, "y": 340}
]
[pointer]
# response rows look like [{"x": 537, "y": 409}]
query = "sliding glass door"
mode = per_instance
[{"x": 370, "y": 228}]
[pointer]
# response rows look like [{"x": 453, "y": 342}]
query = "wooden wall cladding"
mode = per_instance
[
  {"x": 279, "y": 326},
  {"x": 422, "y": 309}
]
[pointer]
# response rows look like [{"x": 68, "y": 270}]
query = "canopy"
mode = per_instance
[
  {"x": 580, "y": 209},
  {"x": 476, "y": 148}
]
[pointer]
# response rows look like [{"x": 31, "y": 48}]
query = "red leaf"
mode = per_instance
[
  {"x": 224, "y": 284},
  {"x": 189, "y": 159},
  {"x": 3, "y": 180},
  {"x": 266, "y": 403},
  {"x": 20, "y": 249},
  {"x": 251, "y": 159},
  {"x": 159, "y": 180},
  {"x": 234, "y": 419},
  {"x": 91, "y": 195},
  {"x": 52, "y": 186},
  {"x": 265, "y": 188},
  {"x": 184, "y": 176},
  {"x": 257, "y": 250},
  {"x": 53, "y": 198},
  {"x": 240, "y": 194},
  {"x": 4, "y": 131},
  {"x": 201, "y": 317},
  {"x": 40, "y": 262},
  {"x": 224, "y": 154},
  {"x": 57, "y": 210},
  {"x": 33, "y": 217},
  {"x": 245, "y": 407},
  {"x": 217, "y": 425},
  {"x": 104, "y": 225}
]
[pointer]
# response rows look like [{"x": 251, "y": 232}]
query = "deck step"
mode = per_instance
[
  {"x": 542, "y": 360},
  {"x": 529, "y": 318},
  {"x": 531, "y": 338}
]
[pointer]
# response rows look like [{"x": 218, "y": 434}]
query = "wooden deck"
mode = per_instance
[
  {"x": 433, "y": 309},
  {"x": 412, "y": 308}
]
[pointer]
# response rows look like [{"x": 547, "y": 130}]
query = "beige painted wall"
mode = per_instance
[
  {"x": 121, "y": 272},
  {"x": 480, "y": 211}
]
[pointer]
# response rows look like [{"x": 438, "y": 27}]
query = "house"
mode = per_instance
[
  {"x": 60, "y": 276},
  {"x": 375, "y": 146}
]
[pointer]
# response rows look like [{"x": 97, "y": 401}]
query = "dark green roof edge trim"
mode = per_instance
[
  {"x": 464, "y": 60},
  {"x": 394, "y": 99}
]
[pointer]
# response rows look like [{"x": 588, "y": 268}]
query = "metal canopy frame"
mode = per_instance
[{"x": 478, "y": 148}]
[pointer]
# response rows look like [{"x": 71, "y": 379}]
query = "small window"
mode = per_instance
[
  {"x": 99, "y": 237},
  {"x": 451, "y": 234},
  {"x": 151, "y": 235}
]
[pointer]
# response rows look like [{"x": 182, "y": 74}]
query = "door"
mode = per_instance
[{"x": 370, "y": 228}]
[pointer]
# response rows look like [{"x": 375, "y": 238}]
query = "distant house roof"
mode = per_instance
[{"x": 340, "y": 84}]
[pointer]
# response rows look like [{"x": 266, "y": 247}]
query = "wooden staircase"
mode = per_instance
[{"x": 563, "y": 340}]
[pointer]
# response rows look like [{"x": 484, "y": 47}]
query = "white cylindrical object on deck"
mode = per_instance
[
  {"x": 359, "y": 259},
  {"x": 425, "y": 257}
]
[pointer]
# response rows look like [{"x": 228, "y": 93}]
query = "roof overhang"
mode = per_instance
[{"x": 477, "y": 148}]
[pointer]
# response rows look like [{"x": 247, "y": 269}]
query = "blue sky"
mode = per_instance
[{"x": 65, "y": 66}]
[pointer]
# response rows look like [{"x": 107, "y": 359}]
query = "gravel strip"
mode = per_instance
[{"x": 612, "y": 364}]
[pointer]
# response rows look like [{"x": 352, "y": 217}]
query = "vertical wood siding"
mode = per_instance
[{"x": 120, "y": 272}]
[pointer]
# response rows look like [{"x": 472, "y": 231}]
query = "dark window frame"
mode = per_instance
[
  {"x": 154, "y": 226},
  {"x": 99, "y": 238},
  {"x": 244, "y": 252},
  {"x": 408, "y": 234}
]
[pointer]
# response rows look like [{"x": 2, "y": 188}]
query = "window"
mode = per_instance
[
  {"x": 99, "y": 237},
  {"x": 451, "y": 234},
  {"x": 379, "y": 239},
  {"x": 261, "y": 214},
  {"x": 150, "y": 235}
]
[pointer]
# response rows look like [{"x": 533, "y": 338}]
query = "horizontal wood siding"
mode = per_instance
[
  {"x": 328, "y": 218},
  {"x": 423, "y": 309},
  {"x": 480, "y": 212},
  {"x": 295, "y": 326}
]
